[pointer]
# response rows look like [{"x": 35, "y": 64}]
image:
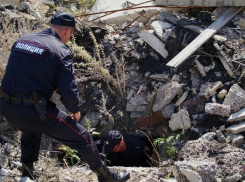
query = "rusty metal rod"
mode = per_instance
[
  {"x": 125, "y": 9},
  {"x": 114, "y": 12}
]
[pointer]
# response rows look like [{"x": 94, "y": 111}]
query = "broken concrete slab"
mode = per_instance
[
  {"x": 119, "y": 17},
  {"x": 235, "y": 98},
  {"x": 191, "y": 175},
  {"x": 201, "y": 3},
  {"x": 154, "y": 42},
  {"x": 237, "y": 128},
  {"x": 218, "y": 109},
  {"x": 162, "y": 29},
  {"x": 166, "y": 94},
  {"x": 180, "y": 120},
  {"x": 209, "y": 89},
  {"x": 238, "y": 116}
]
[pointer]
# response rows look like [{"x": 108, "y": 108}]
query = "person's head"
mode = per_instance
[
  {"x": 114, "y": 142},
  {"x": 64, "y": 25}
]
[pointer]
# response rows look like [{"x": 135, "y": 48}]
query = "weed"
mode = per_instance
[
  {"x": 91, "y": 69},
  {"x": 167, "y": 144},
  {"x": 79, "y": 53},
  {"x": 69, "y": 153},
  {"x": 98, "y": 49},
  {"x": 120, "y": 113},
  {"x": 88, "y": 127}
]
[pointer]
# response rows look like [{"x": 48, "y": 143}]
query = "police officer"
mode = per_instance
[
  {"x": 40, "y": 64},
  {"x": 128, "y": 150}
]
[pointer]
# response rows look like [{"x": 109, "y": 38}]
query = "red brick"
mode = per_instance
[{"x": 147, "y": 121}]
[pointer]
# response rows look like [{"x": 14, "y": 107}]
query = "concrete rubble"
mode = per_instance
[
  {"x": 132, "y": 89},
  {"x": 120, "y": 16}
]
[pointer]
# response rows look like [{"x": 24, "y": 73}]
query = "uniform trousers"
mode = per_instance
[{"x": 57, "y": 125}]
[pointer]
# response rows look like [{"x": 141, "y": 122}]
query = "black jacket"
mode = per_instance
[
  {"x": 136, "y": 154},
  {"x": 41, "y": 62}
]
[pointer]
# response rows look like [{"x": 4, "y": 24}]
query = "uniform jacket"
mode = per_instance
[
  {"x": 136, "y": 153},
  {"x": 41, "y": 62}
]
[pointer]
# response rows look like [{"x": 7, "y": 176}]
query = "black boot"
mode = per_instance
[
  {"x": 27, "y": 170},
  {"x": 105, "y": 175}
]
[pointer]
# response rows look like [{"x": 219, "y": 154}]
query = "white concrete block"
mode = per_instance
[
  {"x": 240, "y": 115},
  {"x": 191, "y": 175},
  {"x": 237, "y": 128}
]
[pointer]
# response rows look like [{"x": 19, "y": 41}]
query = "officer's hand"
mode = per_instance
[{"x": 75, "y": 116}]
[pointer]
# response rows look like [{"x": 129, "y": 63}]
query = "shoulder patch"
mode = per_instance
[{"x": 30, "y": 48}]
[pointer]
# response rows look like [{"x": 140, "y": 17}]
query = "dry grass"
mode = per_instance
[{"x": 94, "y": 68}]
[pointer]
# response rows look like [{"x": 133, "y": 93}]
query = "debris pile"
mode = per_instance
[{"x": 180, "y": 71}]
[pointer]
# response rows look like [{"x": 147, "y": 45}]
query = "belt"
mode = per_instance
[{"x": 14, "y": 100}]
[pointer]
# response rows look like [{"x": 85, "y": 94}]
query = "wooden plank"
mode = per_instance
[
  {"x": 204, "y": 36},
  {"x": 193, "y": 28},
  {"x": 154, "y": 42}
]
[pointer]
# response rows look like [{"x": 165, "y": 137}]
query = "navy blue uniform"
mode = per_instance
[
  {"x": 40, "y": 62},
  {"x": 137, "y": 152}
]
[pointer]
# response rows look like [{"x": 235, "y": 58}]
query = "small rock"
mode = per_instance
[
  {"x": 241, "y": 22},
  {"x": 180, "y": 120},
  {"x": 222, "y": 94},
  {"x": 217, "y": 109}
]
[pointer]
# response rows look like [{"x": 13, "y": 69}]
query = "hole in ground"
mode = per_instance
[{"x": 136, "y": 155}]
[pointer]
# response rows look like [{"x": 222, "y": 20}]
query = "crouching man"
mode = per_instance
[{"x": 40, "y": 64}]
